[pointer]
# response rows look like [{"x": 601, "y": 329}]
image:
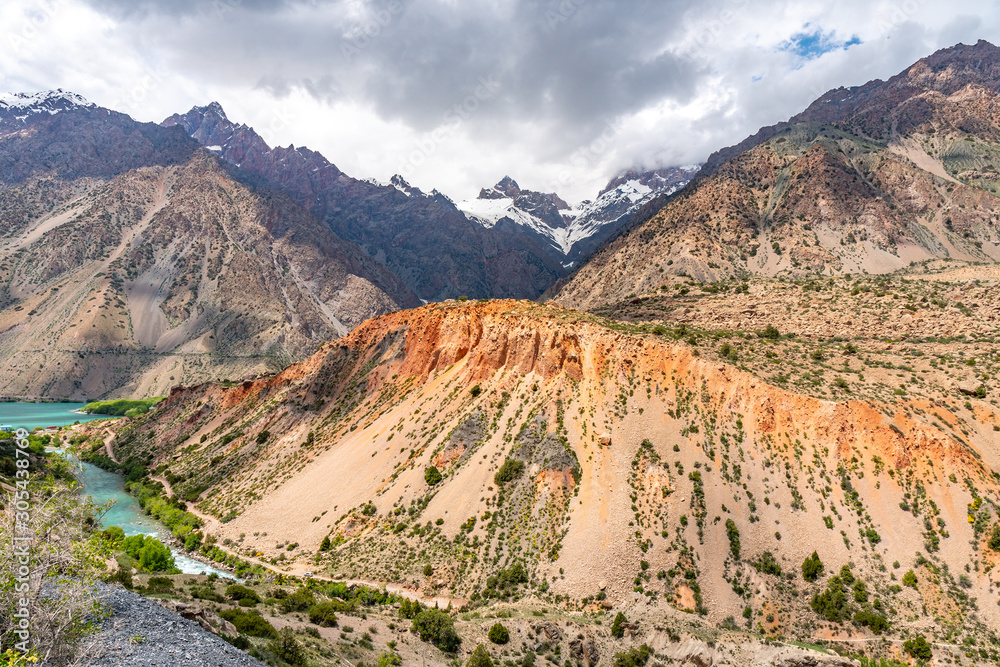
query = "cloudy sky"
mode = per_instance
[{"x": 454, "y": 94}]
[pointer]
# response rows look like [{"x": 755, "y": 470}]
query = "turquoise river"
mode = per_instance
[{"x": 102, "y": 486}]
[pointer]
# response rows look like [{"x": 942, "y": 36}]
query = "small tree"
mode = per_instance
[
  {"x": 323, "y": 614},
  {"x": 432, "y": 476},
  {"x": 480, "y": 658},
  {"x": 636, "y": 657},
  {"x": 437, "y": 627},
  {"x": 771, "y": 332},
  {"x": 812, "y": 567},
  {"x": 509, "y": 471},
  {"x": 287, "y": 647},
  {"x": 910, "y": 579},
  {"x": 994, "y": 541},
  {"x": 499, "y": 634},
  {"x": 618, "y": 627},
  {"x": 918, "y": 648}
]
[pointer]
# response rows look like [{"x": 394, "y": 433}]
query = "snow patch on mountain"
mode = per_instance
[
  {"x": 623, "y": 196},
  {"x": 51, "y": 101}
]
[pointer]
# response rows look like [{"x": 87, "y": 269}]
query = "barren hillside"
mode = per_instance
[{"x": 618, "y": 463}]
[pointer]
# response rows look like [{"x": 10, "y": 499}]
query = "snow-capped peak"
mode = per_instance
[
  {"x": 50, "y": 101},
  {"x": 571, "y": 231}
]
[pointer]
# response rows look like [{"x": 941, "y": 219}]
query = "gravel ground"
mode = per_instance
[{"x": 169, "y": 639}]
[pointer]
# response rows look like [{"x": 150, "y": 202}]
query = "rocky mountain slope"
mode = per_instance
[
  {"x": 131, "y": 259},
  {"x": 643, "y": 465},
  {"x": 867, "y": 180},
  {"x": 423, "y": 238},
  {"x": 571, "y": 234}
]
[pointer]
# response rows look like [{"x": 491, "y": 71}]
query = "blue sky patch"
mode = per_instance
[{"x": 809, "y": 45}]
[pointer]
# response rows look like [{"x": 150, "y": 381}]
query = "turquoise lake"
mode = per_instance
[{"x": 32, "y": 415}]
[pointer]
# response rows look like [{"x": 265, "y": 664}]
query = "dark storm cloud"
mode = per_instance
[{"x": 567, "y": 64}]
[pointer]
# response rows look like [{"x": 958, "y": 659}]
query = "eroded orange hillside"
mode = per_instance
[{"x": 340, "y": 445}]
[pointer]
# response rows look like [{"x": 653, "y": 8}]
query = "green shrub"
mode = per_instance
[
  {"x": 408, "y": 609},
  {"x": 286, "y": 647},
  {"x": 771, "y": 332},
  {"x": 910, "y": 579},
  {"x": 617, "y": 628},
  {"x": 832, "y": 604},
  {"x": 300, "y": 600},
  {"x": 994, "y": 541},
  {"x": 475, "y": 391},
  {"x": 812, "y": 567},
  {"x": 499, "y": 634},
  {"x": 150, "y": 554},
  {"x": 249, "y": 623},
  {"x": 768, "y": 565},
  {"x": 509, "y": 471},
  {"x": 388, "y": 659},
  {"x": 875, "y": 622},
  {"x": 241, "y": 592},
  {"x": 733, "y": 533},
  {"x": 918, "y": 648},
  {"x": 480, "y": 658},
  {"x": 323, "y": 614},
  {"x": 432, "y": 476},
  {"x": 159, "y": 585},
  {"x": 437, "y": 627},
  {"x": 636, "y": 657}
]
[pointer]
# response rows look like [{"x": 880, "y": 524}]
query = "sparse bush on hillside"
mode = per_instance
[
  {"x": 408, "y": 609},
  {"x": 733, "y": 533},
  {"x": 636, "y": 657},
  {"x": 241, "y": 592},
  {"x": 812, "y": 567},
  {"x": 300, "y": 600},
  {"x": 480, "y": 658},
  {"x": 432, "y": 476},
  {"x": 437, "y": 627},
  {"x": 475, "y": 391},
  {"x": 499, "y": 634},
  {"x": 509, "y": 471},
  {"x": 249, "y": 622},
  {"x": 286, "y": 647},
  {"x": 324, "y": 614},
  {"x": 918, "y": 647},
  {"x": 768, "y": 564},
  {"x": 618, "y": 627},
  {"x": 910, "y": 579},
  {"x": 505, "y": 582},
  {"x": 770, "y": 332},
  {"x": 994, "y": 541}
]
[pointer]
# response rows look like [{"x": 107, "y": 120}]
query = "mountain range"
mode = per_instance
[{"x": 866, "y": 180}]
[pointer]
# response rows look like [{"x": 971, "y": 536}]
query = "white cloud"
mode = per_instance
[{"x": 585, "y": 87}]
